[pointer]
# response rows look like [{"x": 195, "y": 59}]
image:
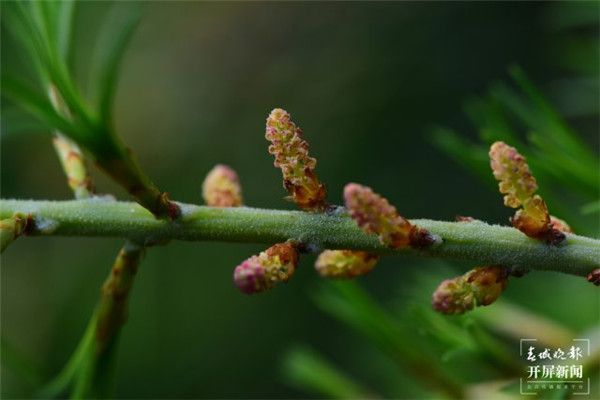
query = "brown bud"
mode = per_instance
[{"x": 594, "y": 277}]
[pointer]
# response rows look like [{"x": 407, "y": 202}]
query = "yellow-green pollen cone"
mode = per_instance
[
  {"x": 518, "y": 185},
  {"x": 291, "y": 156},
  {"x": 345, "y": 263},
  {"x": 374, "y": 214},
  {"x": 221, "y": 187},
  {"x": 478, "y": 287},
  {"x": 12, "y": 228},
  {"x": 262, "y": 272}
]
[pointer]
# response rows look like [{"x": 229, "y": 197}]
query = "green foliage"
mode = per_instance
[
  {"x": 523, "y": 118},
  {"x": 444, "y": 357},
  {"x": 578, "y": 48},
  {"x": 41, "y": 108},
  {"x": 347, "y": 302},
  {"x": 15, "y": 122},
  {"x": 307, "y": 370},
  {"x": 44, "y": 31},
  {"x": 116, "y": 32},
  {"x": 19, "y": 364},
  {"x": 74, "y": 370}
]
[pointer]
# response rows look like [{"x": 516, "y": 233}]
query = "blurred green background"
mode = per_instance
[{"x": 368, "y": 83}]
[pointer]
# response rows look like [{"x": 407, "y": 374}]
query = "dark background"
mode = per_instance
[{"x": 364, "y": 81}]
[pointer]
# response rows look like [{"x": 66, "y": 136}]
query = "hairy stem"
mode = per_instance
[
  {"x": 112, "y": 307},
  {"x": 475, "y": 241},
  {"x": 118, "y": 162}
]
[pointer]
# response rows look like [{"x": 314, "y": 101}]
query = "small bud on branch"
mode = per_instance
[
  {"x": 262, "y": 272},
  {"x": 73, "y": 164},
  {"x": 594, "y": 277},
  {"x": 70, "y": 155},
  {"x": 345, "y": 263},
  {"x": 374, "y": 214},
  {"x": 291, "y": 156},
  {"x": 11, "y": 229},
  {"x": 478, "y": 287},
  {"x": 519, "y": 186},
  {"x": 511, "y": 170},
  {"x": 221, "y": 187}
]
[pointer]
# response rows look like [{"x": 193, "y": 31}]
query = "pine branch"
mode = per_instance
[
  {"x": 475, "y": 241},
  {"x": 90, "y": 371}
]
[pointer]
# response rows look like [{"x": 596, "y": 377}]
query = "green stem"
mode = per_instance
[
  {"x": 112, "y": 307},
  {"x": 19, "y": 364},
  {"x": 96, "y": 371},
  {"x": 474, "y": 241},
  {"x": 112, "y": 157},
  {"x": 90, "y": 370},
  {"x": 58, "y": 386}
]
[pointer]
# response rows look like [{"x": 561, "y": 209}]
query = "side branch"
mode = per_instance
[{"x": 475, "y": 241}]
